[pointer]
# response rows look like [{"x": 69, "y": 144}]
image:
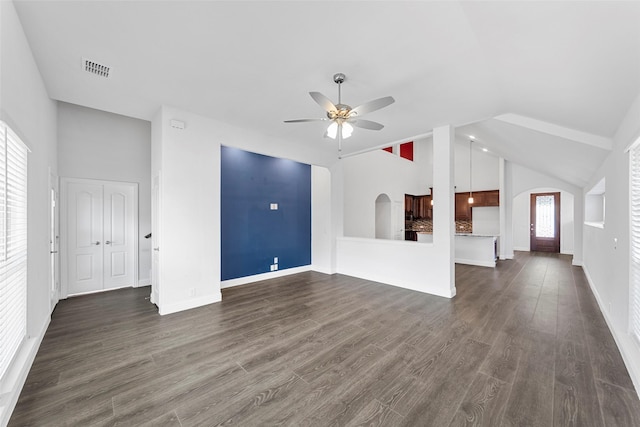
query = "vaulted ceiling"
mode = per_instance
[{"x": 544, "y": 84}]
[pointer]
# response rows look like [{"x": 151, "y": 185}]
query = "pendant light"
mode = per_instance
[{"x": 470, "y": 173}]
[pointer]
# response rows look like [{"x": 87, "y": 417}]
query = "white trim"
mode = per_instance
[
  {"x": 475, "y": 262},
  {"x": 555, "y": 130},
  {"x": 17, "y": 374},
  {"x": 190, "y": 303},
  {"x": 521, "y": 248},
  {"x": 264, "y": 276},
  {"x": 594, "y": 224},
  {"x": 633, "y": 144},
  {"x": 143, "y": 282},
  {"x": 624, "y": 342}
]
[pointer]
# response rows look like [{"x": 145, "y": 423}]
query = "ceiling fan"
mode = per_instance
[{"x": 342, "y": 116}]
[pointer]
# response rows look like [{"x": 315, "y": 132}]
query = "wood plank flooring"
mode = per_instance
[{"x": 523, "y": 344}]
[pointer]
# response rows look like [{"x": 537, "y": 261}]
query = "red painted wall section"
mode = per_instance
[
  {"x": 388, "y": 149},
  {"x": 406, "y": 150}
]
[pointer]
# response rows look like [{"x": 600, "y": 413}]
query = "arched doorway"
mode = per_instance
[{"x": 383, "y": 217}]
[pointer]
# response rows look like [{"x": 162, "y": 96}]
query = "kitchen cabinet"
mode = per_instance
[
  {"x": 422, "y": 207},
  {"x": 486, "y": 198},
  {"x": 462, "y": 207},
  {"x": 418, "y": 206}
]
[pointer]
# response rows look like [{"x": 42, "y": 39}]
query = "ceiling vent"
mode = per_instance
[{"x": 96, "y": 68}]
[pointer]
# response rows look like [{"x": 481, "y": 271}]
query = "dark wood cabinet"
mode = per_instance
[
  {"x": 418, "y": 207},
  {"x": 486, "y": 198},
  {"x": 463, "y": 209},
  {"x": 492, "y": 198}
]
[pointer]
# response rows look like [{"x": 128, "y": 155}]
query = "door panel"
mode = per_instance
[
  {"x": 101, "y": 235},
  {"x": 155, "y": 240},
  {"x": 84, "y": 225},
  {"x": 545, "y": 222},
  {"x": 119, "y": 257}
]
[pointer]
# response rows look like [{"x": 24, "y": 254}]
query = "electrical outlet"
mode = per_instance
[
  {"x": 275, "y": 259},
  {"x": 274, "y": 206}
]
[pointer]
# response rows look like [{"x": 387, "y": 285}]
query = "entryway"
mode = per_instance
[
  {"x": 545, "y": 222},
  {"x": 100, "y": 235}
]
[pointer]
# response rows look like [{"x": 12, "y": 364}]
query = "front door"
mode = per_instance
[
  {"x": 100, "y": 236},
  {"x": 545, "y": 222}
]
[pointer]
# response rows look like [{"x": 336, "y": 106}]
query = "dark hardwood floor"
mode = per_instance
[{"x": 523, "y": 344}]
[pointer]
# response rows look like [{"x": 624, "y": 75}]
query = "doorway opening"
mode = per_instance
[
  {"x": 545, "y": 222},
  {"x": 383, "y": 217}
]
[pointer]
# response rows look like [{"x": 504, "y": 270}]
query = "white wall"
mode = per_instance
[
  {"x": 606, "y": 262},
  {"x": 189, "y": 161},
  {"x": 368, "y": 175},
  {"x": 26, "y": 107},
  {"x": 98, "y": 145},
  {"x": 486, "y": 220},
  {"x": 522, "y": 220},
  {"x": 485, "y": 168},
  {"x": 424, "y": 267},
  {"x": 321, "y": 219}
]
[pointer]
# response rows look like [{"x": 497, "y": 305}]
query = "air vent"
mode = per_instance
[{"x": 96, "y": 68}]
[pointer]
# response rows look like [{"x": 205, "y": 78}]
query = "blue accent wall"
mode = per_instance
[{"x": 252, "y": 234}]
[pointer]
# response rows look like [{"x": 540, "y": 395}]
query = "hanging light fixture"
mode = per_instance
[{"x": 470, "y": 173}]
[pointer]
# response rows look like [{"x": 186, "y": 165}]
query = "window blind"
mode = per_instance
[
  {"x": 634, "y": 276},
  {"x": 13, "y": 245}
]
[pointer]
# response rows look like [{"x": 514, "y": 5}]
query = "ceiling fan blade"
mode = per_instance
[
  {"x": 305, "y": 120},
  {"x": 366, "y": 124},
  {"x": 323, "y": 101},
  {"x": 370, "y": 106}
]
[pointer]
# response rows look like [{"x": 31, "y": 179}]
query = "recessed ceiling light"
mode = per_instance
[{"x": 486, "y": 150}]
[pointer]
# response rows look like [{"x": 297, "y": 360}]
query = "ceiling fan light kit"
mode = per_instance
[{"x": 343, "y": 118}]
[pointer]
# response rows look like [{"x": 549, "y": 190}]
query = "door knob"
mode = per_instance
[
  {"x": 107, "y": 242},
  {"x": 53, "y": 252},
  {"x": 156, "y": 249},
  {"x": 97, "y": 243}
]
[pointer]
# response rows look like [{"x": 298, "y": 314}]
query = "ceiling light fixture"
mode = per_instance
[
  {"x": 343, "y": 118},
  {"x": 470, "y": 173}
]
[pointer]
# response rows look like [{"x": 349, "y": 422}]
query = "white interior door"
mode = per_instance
[
  {"x": 54, "y": 287},
  {"x": 99, "y": 235},
  {"x": 119, "y": 256},
  {"x": 84, "y": 238},
  {"x": 155, "y": 239}
]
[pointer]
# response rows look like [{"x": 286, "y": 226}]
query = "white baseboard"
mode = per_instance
[
  {"x": 624, "y": 342},
  {"x": 264, "y": 276},
  {"x": 189, "y": 303},
  {"x": 475, "y": 262},
  {"x": 15, "y": 378},
  {"x": 521, "y": 248}
]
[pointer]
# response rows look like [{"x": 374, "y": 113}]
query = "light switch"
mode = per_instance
[
  {"x": 275, "y": 260},
  {"x": 274, "y": 206}
]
